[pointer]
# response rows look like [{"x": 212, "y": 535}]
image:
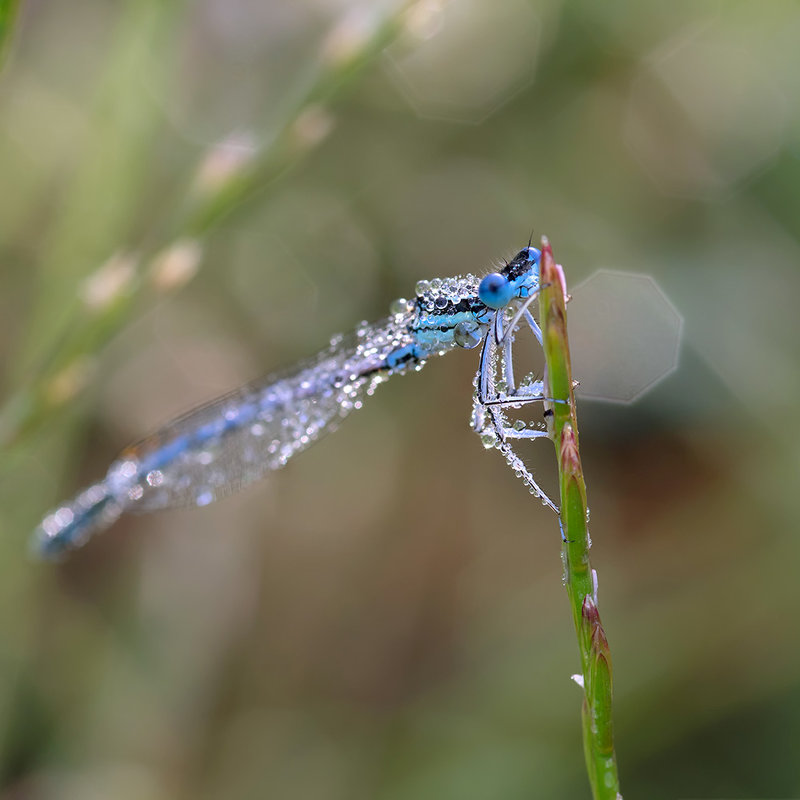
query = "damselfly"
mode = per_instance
[{"x": 235, "y": 439}]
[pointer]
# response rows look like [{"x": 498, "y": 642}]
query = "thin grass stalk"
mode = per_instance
[
  {"x": 8, "y": 17},
  {"x": 580, "y": 578}
]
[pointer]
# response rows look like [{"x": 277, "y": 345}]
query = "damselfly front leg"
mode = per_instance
[{"x": 488, "y": 416}]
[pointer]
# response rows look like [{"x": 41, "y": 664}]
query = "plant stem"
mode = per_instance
[
  {"x": 580, "y": 578},
  {"x": 8, "y": 16}
]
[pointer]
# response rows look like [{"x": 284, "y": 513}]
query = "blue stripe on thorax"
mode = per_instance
[
  {"x": 433, "y": 331},
  {"x": 441, "y": 322}
]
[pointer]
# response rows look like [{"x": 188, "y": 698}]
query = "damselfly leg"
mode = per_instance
[{"x": 490, "y": 404}]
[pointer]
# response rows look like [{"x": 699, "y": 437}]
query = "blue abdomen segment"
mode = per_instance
[
  {"x": 410, "y": 353},
  {"x": 427, "y": 342},
  {"x": 233, "y": 418},
  {"x": 72, "y": 524}
]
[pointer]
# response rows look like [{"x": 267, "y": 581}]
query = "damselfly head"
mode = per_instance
[{"x": 518, "y": 278}]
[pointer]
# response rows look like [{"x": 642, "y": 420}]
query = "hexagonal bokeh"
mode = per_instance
[
  {"x": 456, "y": 72},
  {"x": 624, "y": 335}
]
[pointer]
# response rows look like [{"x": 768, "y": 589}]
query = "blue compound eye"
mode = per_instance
[{"x": 495, "y": 291}]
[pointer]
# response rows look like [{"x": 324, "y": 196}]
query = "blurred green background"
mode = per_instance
[{"x": 385, "y": 617}]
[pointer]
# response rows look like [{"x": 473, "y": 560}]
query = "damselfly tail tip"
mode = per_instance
[{"x": 72, "y": 524}]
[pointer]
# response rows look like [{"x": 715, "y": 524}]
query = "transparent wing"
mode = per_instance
[
  {"x": 233, "y": 440},
  {"x": 230, "y": 442}
]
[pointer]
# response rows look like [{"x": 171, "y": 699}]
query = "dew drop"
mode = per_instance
[
  {"x": 467, "y": 335},
  {"x": 155, "y": 477},
  {"x": 400, "y": 306}
]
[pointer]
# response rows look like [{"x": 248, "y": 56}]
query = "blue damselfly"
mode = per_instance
[{"x": 233, "y": 440}]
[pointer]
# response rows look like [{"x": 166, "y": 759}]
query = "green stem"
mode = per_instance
[
  {"x": 580, "y": 578},
  {"x": 8, "y": 16}
]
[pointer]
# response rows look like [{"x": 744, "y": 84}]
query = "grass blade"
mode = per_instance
[
  {"x": 580, "y": 578},
  {"x": 8, "y": 17}
]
